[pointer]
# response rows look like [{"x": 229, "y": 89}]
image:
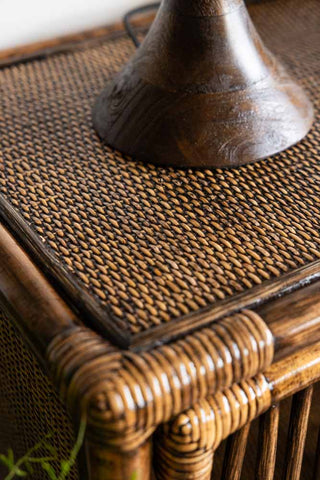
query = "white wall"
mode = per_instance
[{"x": 26, "y": 21}]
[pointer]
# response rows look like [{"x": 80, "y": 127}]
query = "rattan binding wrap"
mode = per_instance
[
  {"x": 132, "y": 392},
  {"x": 150, "y": 244}
]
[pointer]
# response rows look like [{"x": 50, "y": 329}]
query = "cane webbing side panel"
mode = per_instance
[
  {"x": 29, "y": 405},
  {"x": 147, "y": 244}
]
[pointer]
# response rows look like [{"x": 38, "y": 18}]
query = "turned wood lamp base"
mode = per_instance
[{"x": 202, "y": 91}]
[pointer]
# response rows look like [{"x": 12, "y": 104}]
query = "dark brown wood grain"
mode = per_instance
[
  {"x": 111, "y": 327},
  {"x": 300, "y": 410},
  {"x": 316, "y": 472},
  {"x": 29, "y": 297},
  {"x": 234, "y": 455},
  {"x": 202, "y": 91},
  {"x": 128, "y": 394},
  {"x": 108, "y": 464},
  {"x": 294, "y": 319},
  {"x": 295, "y": 372},
  {"x": 267, "y": 449}
]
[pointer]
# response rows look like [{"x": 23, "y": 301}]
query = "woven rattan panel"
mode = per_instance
[
  {"x": 29, "y": 406},
  {"x": 151, "y": 244}
]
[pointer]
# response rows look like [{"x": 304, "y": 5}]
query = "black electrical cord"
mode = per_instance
[{"x": 132, "y": 13}]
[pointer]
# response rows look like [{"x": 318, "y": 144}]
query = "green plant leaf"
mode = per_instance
[
  {"x": 4, "y": 460},
  {"x": 15, "y": 467},
  {"x": 28, "y": 466},
  {"x": 11, "y": 455},
  {"x": 8, "y": 460},
  {"x": 19, "y": 472},
  {"x": 50, "y": 471},
  {"x": 65, "y": 466},
  {"x": 41, "y": 459}
]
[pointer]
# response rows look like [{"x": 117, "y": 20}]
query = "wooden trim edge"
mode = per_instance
[
  {"x": 28, "y": 296},
  {"x": 111, "y": 328}
]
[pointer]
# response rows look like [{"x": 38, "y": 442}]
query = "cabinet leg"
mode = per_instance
[{"x": 112, "y": 464}]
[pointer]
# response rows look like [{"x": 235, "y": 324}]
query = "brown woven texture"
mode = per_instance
[
  {"x": 29, "y": 406},
  {"x": 153, "y": 244}
]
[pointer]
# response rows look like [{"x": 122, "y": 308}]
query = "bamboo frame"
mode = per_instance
[
  {"x": 236, "y": 361},
  {"x": 185, "y": 440},
  {"x": 127, "y": 395}
]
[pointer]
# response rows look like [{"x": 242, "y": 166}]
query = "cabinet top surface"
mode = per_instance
[{"x": 136, "y": 246}]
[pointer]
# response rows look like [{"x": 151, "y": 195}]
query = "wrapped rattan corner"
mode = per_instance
[
  {"x": 207, "y": 385},
  {"x": 177, "y": 312}
]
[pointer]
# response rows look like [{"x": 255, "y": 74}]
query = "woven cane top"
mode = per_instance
[{"x": 143, "y": 244}]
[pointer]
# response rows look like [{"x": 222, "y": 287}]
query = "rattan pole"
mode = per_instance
[{"x": 107, "y": 464}]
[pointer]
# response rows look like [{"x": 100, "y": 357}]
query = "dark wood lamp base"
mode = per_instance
[{"x": 202, "y": 91}]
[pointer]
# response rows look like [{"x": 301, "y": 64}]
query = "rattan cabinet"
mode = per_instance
[{"x": 176, "y": 311}]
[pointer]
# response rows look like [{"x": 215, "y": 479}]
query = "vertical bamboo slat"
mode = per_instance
[
  {"x": 189, "y": 440},
  {"x": 299, "y": 417},
  {"x": 267, "y": 449},
  {"x": 185, "y": 303},
  {"x": 316, "y": 473},
  {"x": 234, "y": 455}
]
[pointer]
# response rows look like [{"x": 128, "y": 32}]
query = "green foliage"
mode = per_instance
[{"x": 25, "y": 465}]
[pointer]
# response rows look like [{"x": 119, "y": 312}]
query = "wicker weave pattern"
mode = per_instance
[
  {"x": 29, "y": 405},
  {"x": 149, "y": 243}
]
